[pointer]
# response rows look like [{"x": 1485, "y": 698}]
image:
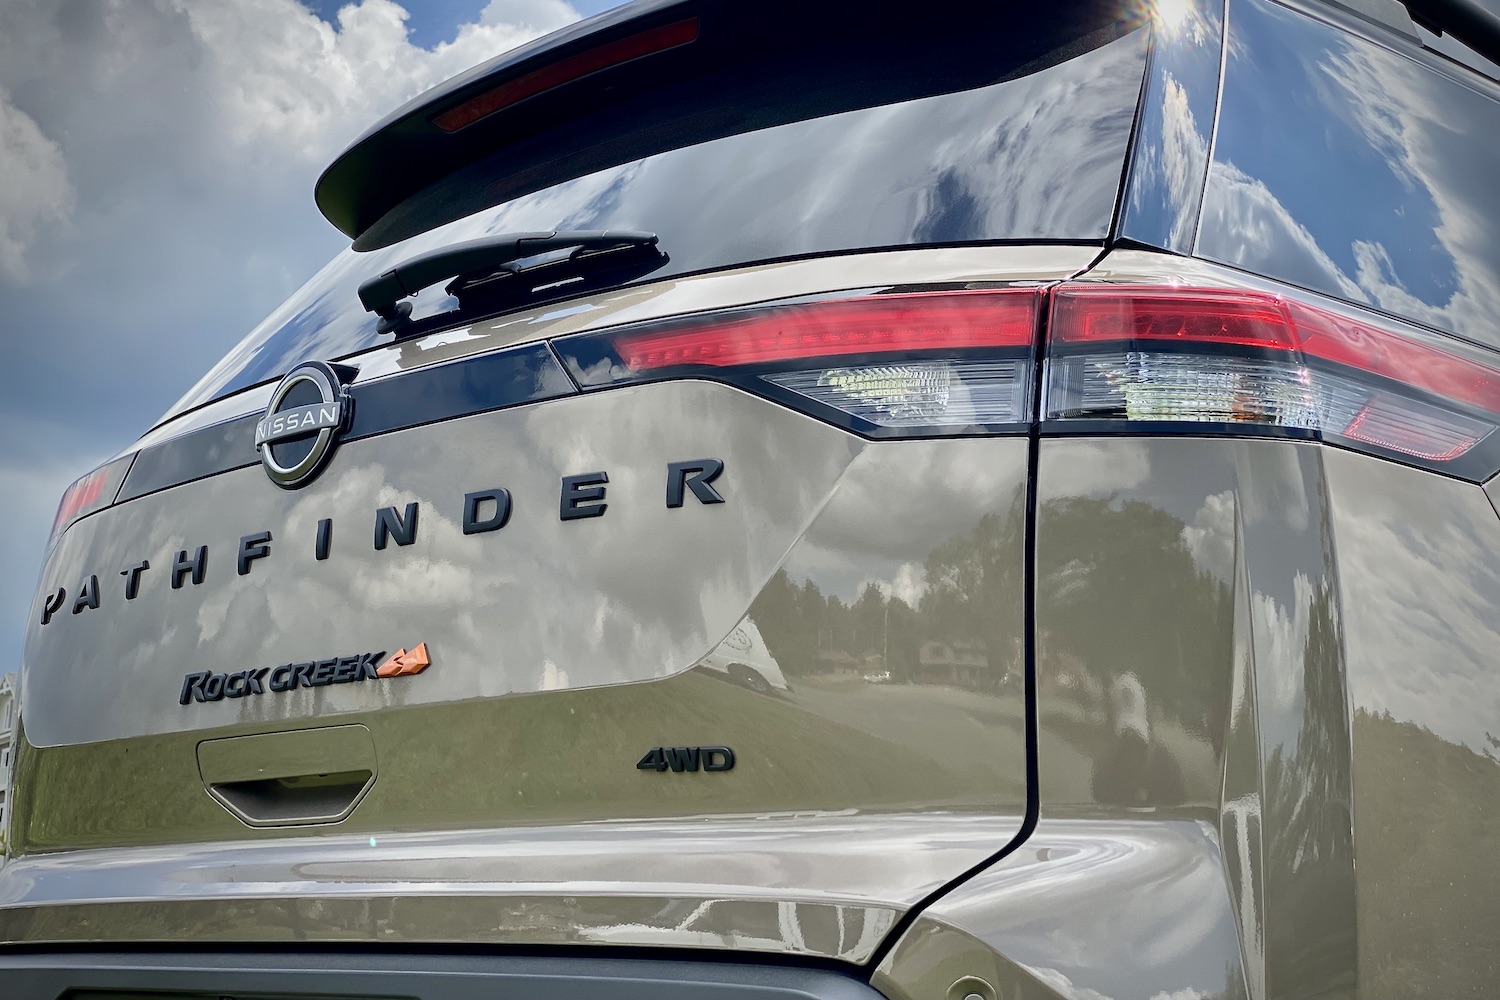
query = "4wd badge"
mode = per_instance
[{"x": 687, "y": 759}]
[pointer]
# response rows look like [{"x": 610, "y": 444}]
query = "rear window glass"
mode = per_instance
[{"x": 1038, "y": 156}]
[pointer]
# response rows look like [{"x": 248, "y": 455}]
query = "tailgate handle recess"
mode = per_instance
[{"x": 297, "y": 778}]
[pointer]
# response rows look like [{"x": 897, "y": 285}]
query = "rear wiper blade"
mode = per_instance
[{"x": 485, "y": 272}]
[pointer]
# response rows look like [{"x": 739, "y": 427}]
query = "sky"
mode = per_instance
[{"x": 157, "y": 160}]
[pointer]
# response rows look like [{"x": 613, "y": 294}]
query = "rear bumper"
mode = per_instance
[{"x": 187, "y": 976}]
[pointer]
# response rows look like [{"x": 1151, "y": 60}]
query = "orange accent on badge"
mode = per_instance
[{"x": 403, "y": 664}]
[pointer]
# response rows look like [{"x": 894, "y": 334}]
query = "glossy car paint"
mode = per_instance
[
  {"x": 1099, "y": 907},
  {"x": 1315, "y": 633},
  {"x": 1344, "y": 576},
  {"x": 894, "y": 777},
  {"x": 846, "y": 775},
  {"x": 508, "y": 600},
  {"x": 1240, "y": 746},
  {"x": 1202, "y": 577},
  {"x": 1422, "y": 571}
]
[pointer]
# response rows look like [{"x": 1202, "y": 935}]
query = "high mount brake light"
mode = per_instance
[
  {"x": 566, "y": 70},
  {"x": 1240, "y": 357},
  {"x": 940, "y": 362}
]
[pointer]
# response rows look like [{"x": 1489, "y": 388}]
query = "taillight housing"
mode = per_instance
[
  {"x": 90, "y": 493},
  {"x": 1119, "y": 357},
  {"x": 1159, "y": 358},
  {"x": 883, "y": 364}
]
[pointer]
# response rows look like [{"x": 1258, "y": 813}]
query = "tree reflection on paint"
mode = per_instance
[{"x": 952, "y": 635}]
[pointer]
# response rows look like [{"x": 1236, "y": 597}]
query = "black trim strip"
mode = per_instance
[
  {"x": 475, "y": 385},
  {"x": 425, "y": 395},
  {"x": 204, "y": 452},
  {"x": 206, "y": 975}
]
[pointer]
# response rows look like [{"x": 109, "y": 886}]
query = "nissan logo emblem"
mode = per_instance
[{"x": 306, "y": 414}]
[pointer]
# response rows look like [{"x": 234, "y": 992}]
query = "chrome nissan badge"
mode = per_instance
[{"x": 307, "y": 412}]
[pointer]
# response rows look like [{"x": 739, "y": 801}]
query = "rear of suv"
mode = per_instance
[{"x": 986, "y": 503}]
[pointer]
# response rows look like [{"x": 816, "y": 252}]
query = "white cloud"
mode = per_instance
[
  {"x": 502, "y": 25},
  {"x": 1178, "y": 163},
  {"x": 158, "y": 159},
  {"x": 287, "y": 79},
  {"x": 36, "y": 191},
  {"x": 908, "y": 585},
  {"x": 288, "y": 82},
  {"x": 180, "y": 127},
  {"x": 1411, "y": 117},
  {"x": 1059, "y": 982}
]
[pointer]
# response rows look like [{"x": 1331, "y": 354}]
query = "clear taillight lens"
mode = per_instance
[
  {"x": 920, "y": 393},
  {"x": 941, "y": 362},
  {"x": 1238, "y": 361}
]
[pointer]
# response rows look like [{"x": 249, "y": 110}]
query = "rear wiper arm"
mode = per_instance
[{"x": 484, "y": 270}]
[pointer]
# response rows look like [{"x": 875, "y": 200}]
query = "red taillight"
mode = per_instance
[
  {"x": 90, "y": 493},
  {"x": 81, "y": 496},
  {"x": 1113, "y": 312},
  {"x": 1136, "y": 358},
  {"x": 1367, "y": 347},
  {"x": 1234, "y": 356},
  {"x": 566, "y": 70},
  {"x": 877, "y": 324},
  {"x": 930, "y": 362}
]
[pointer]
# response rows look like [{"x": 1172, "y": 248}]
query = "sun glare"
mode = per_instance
[{"x": 1171, "y": 15}]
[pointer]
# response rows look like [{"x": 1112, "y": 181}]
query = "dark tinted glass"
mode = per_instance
[{"x": 1038, "y": 156}]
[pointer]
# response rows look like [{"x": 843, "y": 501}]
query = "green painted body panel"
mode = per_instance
[
  {"x": 1258, "y": 661},
  {"x": 538, "y": 760},
  {"x": 880, "y": 749}
]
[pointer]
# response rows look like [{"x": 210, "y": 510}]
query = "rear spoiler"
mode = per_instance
[
  {"x": 579, "y": 99},
  {"x": 657, "y": 75},
  {"x": 411, "y": 148}
]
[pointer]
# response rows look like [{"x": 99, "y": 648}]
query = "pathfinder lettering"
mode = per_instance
[{"x": 581, "y": 497}]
